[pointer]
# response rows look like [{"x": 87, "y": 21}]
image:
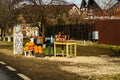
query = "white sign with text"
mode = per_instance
[{"x": 18, "y": 40}]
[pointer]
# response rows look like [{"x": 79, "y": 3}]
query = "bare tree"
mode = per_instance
[
  {"x": 106, "y": 9},
  {"x": 39, "y": 16},
  {"x": 7, "y": 17}
]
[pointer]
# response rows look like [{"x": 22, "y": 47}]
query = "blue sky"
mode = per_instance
[
  {"x": 100, "y": 2},
  {"x": 78, "y": 2}
]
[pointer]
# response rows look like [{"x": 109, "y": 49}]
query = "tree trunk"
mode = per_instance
[
  {"x": 3, "y": 35},
  {"x": 9, "y": 38}
]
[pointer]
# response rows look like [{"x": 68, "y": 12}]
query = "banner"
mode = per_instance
[{"x": 18, "y": 40}]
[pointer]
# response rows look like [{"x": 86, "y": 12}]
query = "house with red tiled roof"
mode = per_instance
[{"x": 90, "y": 9}]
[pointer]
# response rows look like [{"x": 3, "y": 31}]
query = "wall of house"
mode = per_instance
[{"x": 109, "y": 32}]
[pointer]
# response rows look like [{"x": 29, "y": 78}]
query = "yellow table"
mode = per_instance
[{"x": 70, "y": 46}]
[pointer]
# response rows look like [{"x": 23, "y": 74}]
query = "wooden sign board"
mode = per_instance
[
  {"x": 31, "y": 31},
  {"x": 60, "y": 38}
]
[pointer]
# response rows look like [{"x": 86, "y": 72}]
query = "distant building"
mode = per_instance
[
  {"x": 114, "y": 11},
  {"x": 90, "y": 10}
]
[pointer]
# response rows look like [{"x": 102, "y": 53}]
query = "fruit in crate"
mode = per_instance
[
  {"x": 39, "y": 49},
  {"x": 26, "y": 48},
  {"x": 35, "y": 49},
  {"x": 27, "y": 44},
  {"x": 32, "y": 44},
  {"x": 31, "y": 47}
]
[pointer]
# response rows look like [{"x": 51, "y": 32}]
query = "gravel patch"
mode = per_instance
[
  {"x": 97, "y": 71},
  {"x": 92, "y": 66},
  {"x": 82, "y": 59}
]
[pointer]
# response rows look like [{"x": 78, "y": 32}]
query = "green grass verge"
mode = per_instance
[
  {"x": 111, "y": 47},
  {"x": 91, "y": 50}
]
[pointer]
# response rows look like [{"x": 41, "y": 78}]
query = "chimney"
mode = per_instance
[
  {"x": 83, "y": 4},
  {"x": 91, "y": 2}
]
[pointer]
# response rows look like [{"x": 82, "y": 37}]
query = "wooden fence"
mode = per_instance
[
  {"x": 109, "y": 32},
  {"x": 81, "y": 31}
]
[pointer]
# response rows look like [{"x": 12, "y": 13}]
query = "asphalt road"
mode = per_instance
[
  {"x": 6, "y": 74},
  {"x": 36, "y": 68}
]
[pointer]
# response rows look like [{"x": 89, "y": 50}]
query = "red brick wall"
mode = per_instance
[{"x": 109, "y": 32}]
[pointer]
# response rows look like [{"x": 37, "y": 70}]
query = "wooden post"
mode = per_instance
[
  {"x": 75, "y": 48},
  {"x": 67, "y": 49},
  {"x": 43, "y": 30},
  {"x": 54, "y": 50},
  {"x": 70, "y": 49}
]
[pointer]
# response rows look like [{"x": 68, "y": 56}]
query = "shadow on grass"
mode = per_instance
[
  {"x": 114, "y": 53},
  {"x": 96, "y": 51},
  {"x": 10, "y": 47}
]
